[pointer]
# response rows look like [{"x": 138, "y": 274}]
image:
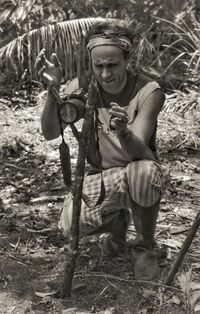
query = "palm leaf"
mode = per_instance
[
  {"x": 66, "y": 39},
  {"x": 174, "y": 61}
]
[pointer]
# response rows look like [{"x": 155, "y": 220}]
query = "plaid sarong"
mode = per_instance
[{"x": 142, "y": 182}]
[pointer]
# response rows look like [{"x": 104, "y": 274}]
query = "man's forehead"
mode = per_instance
[{"x": 107, "y": 52}]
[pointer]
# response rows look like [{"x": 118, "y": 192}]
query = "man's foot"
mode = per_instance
[
  {"x": 146, "y": 266},
  {"x": 139, "y": 244},
  {"x": 112, "y": 247},
  {"x": 115, "y": 244}
]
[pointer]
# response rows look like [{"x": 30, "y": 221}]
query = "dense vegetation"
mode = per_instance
[{"x": 166, "y": 42}]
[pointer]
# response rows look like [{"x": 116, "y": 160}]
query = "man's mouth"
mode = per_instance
[{"x": 107, "y": 82}]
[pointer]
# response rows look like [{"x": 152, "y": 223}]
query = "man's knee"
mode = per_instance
[
  {"x": 144, "y": 179},
  {"x": 65, "y": 221}
]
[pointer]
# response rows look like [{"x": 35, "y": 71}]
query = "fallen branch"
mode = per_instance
[
  {"x": 195, "y": 149},
  {"x": 128, "y": 281},
  {"x": 21, "y": 214},
  {"x": 179, "y": 144},
  {"x": 12, "y": 166},
  {"x": 185, "y": 246},
  {"x": 42, "y": 231},
  {"x": 13, "y": 257},
  {"x": 178, "y": 230},
  {"x": 47, "y": 198}
]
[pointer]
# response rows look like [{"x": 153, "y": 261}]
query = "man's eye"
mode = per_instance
[
  {"x": 112, "y": 65},
  {"x": 109, "y": 65}
]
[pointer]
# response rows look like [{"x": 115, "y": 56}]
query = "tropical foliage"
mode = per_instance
[
  {"x": 64, "y": 38},
  {"x": 166, "y": 35},
  {"x": 185, "y": 45}
]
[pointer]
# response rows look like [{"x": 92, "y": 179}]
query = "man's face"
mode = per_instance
[{"x": 109, "y": 67}]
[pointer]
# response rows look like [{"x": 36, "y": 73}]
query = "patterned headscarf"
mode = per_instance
[{"x": 99, "y": 40}]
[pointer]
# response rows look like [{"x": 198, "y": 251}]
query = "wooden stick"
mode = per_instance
[
  {"x": 77, "y": 193},
  {"x": 47, "y": 198},
  {"x": 185, "y": 246}
]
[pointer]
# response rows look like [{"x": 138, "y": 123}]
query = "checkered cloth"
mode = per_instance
[{"x": 142, "y": 182}]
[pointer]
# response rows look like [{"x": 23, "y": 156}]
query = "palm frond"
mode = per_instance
[
  {"x": 66, "y": 39},
  {"x": 174, "y": 61},
  {"x": 165, "y": 50},
  {"x": 185, "y": 42},
  {"x": 173, "y": 24}
]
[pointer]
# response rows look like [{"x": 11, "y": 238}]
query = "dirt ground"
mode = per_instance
[{"x": 33, "y": 249}]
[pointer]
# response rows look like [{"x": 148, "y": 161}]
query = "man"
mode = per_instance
[{"x": 123, "y": 139}]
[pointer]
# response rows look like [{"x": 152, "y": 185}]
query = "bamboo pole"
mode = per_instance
[
  {"x": 185, "y": 246},
  {"x": 77, "y": 193}
]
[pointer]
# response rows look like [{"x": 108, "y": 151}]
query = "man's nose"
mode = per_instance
[{"x": 105, "y": 73}]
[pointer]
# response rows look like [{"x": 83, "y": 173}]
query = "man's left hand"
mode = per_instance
[{"x": 119, "y": 119}]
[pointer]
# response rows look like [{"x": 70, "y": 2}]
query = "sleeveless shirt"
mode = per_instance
[{"x": 131, "y": 99}]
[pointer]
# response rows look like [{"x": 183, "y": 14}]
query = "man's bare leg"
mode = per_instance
[
  {"x": 146, "y": 266},
  {"x": 144, "y": 219}
]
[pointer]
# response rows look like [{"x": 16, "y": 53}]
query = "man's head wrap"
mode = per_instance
[{"x": 99, "y": 40}]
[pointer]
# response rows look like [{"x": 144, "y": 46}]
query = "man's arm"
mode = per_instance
[
  {"x": 135, "y": 139},
  {"x": 49, "y": 119},
  {"x": 50, "y": 72}
]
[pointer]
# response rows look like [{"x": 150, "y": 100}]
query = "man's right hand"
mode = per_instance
[{"x": 49, "y": 72}]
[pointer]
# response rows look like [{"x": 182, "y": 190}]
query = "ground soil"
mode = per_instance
[{"x": 33, "y": 249}]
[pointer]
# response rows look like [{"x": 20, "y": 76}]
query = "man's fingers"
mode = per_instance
[
  {"x": 41, "y": 71},
  {"x": 41, "y": 63},
  {"x": 38, "y": 64},
  {"x": 116, "y": 125},
  {"x": 55, "y": 60},
  {"x": 119, "y": 112},
  {"x": 120, "y": 115},
  {"x": 47, "y": 63},
  {"x": 40, "y": 59},
  {"x": 118, "y": 121},
  {"x": 118, "y": 109},
  {"x": 41, "y": 53},
  {"x": 43, "y": 75},
  {"x": 48, "y": 78},
  {"x": 114, "y": 104}
]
